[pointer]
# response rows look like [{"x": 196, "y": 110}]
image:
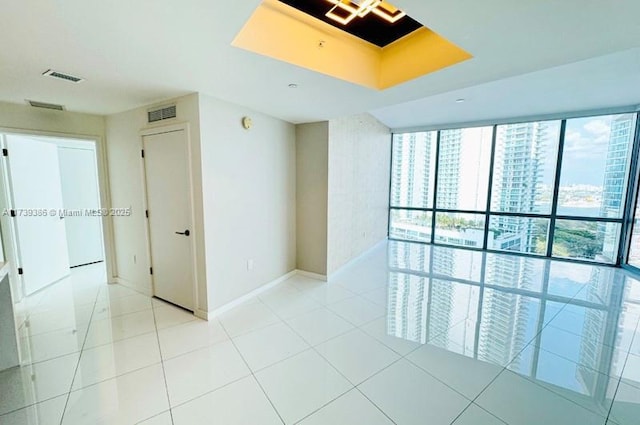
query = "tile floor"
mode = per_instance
[{"x": 406, "y": 335}]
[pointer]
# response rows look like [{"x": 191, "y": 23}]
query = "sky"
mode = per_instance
[{"x": 585, "y": 150}]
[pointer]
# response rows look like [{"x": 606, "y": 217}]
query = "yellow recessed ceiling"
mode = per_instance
[{"x": 366, "y": 42}]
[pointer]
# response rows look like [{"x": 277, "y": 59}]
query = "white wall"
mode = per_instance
[
  {"x": 249, "y": 186},
  {"x": 343, "y": 169},
  {"x": 26, "y": 119},
  {"x": 29, "y": 118},
  {"x": 312, "y": 143},
  {"x": 80, "y": 191},
  {"x": 244, "y": 187},
  {"x": 358, "y": 195},
  {"x": 125, "y": 170}
]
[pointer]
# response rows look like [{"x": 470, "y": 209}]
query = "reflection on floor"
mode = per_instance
[{"x": 408, "y": 334}]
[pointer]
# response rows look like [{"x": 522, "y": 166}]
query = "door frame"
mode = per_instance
[
  {"x": 9, "y": 240},
  {"x": 184, "y": 126}
]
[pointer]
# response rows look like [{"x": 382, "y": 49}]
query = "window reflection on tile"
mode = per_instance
[
  {"x": 451, "y": 302},
  {"x": 571, "y": 280},
  {"x": 507, "y": 324},
  {"x": 566, "y": 326},
  {"x": 413, "y": 256},
  {"x": 408, "y": 307},
  {"x": 457, "y": 263},
  {"x": 515, "y": 272}
]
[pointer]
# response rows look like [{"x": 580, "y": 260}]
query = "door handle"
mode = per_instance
[{"x": 186, "y": 233}]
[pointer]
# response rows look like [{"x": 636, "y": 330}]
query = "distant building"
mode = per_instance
[{"x": 614, "y": 186}]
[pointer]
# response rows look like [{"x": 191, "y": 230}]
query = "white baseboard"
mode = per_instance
[
  {"x": 245, "y": 297},
  {"x": 356, "y": 258},
  {"x": 322, "y": 277},
  {"x": 201, "y": 314},
  {"x": 132, "y": 285}
]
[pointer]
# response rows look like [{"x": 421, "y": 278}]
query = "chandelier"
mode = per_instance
[{"x": 345, "y": 11}]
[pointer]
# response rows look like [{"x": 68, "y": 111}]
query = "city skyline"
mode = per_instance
[{"x": 523, "y": 176}]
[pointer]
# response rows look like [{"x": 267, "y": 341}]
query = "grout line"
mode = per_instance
[
  {"x": 31, "y": 405},
  {"x": 325, "y": 405},
  {"x": 613, "y": 398},
  {"x": 95, "y": 346},
  {"x": 209, "y": 392},
  {"x": 479, "y": 407},
  {"x": 117, "y": 340},
  {"x": 356, "y": 327},
  {"x": 505, "y": 368},
  {"x": 102, "y": 381},
  {"x": 360, "y": 327},
  {"x": 164, "y": 373},
  {"x": 75, "y": 372},
  {"x": 376, "y": 406},
  {"x": 154, "y": 416},
  {"x": 101, "y": 287},
  {"x": 252, "y": 374},
  {"x": 312, "y": 348}
]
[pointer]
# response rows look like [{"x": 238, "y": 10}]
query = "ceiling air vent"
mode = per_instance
[
  {"x": 62, "y": 76},
  {"x": 44, "y": 105},
  {"x": 164, "y": 113}
]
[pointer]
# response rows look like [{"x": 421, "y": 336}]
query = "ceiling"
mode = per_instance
[
  {"x": 133, "y": 53},
  {"x": 608, "y": 81}
]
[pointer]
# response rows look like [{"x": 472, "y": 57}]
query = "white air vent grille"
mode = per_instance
[
  {"x": 164, "y": 113},
  {"x": 44, "y": 105},
  {"x": 62, "y": 76}
]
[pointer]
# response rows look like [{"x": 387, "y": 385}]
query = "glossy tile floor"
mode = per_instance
[{"x": 408, "y": 335}]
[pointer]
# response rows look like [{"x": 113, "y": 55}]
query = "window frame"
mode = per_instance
[{"x": 629, "y": 198}]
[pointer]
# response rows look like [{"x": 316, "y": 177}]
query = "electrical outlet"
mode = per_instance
[{"x": 250, "y": 264}]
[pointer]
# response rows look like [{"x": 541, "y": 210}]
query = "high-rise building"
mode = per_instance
[
  {"x": 614, "y": 186},
  {"x": 449, "y": 169},
  {"x": 518, "y": 167},
  {"x": 412, "y": 169}
]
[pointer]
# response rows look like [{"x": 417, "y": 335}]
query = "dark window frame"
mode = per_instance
[{"x": 629, "y": 198}]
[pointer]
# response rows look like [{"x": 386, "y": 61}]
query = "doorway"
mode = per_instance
[
  {"x": 52, "y": 209},
  {"x": 166, "y": 159}
]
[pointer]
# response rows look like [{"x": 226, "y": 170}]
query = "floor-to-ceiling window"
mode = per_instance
[
  {"x": 634, "y": 245},
  {"x": 550, "y": 188}
]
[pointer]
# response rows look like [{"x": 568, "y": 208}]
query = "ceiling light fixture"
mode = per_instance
[
  {"x": 293, "y": 86},
  {"x": 345, "y": 11},
  {"x": 459, "y": 100}
]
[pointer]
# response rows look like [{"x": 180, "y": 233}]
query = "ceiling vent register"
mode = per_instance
[
  {"x": 161, "y": 114},
  {"x": 44, "y": 105},
  {"x": 62, "y": 76}
]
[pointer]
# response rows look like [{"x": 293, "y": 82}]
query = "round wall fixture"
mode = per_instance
[{"x": 247, "y": 123}]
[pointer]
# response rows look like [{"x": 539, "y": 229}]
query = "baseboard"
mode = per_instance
[
  {"x": 131, "y": 285},
  {"x": 356, "y": 258},
  {"x": 317, "y": 276},
  {"x": 213, "y": 313},
  {"x": 201, "y": 314}
]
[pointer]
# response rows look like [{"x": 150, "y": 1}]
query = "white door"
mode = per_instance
[
  {"x": 79, "y": 176},
  {"x": 35, "y": 189},
  {"x": 169, "y": 203}
]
